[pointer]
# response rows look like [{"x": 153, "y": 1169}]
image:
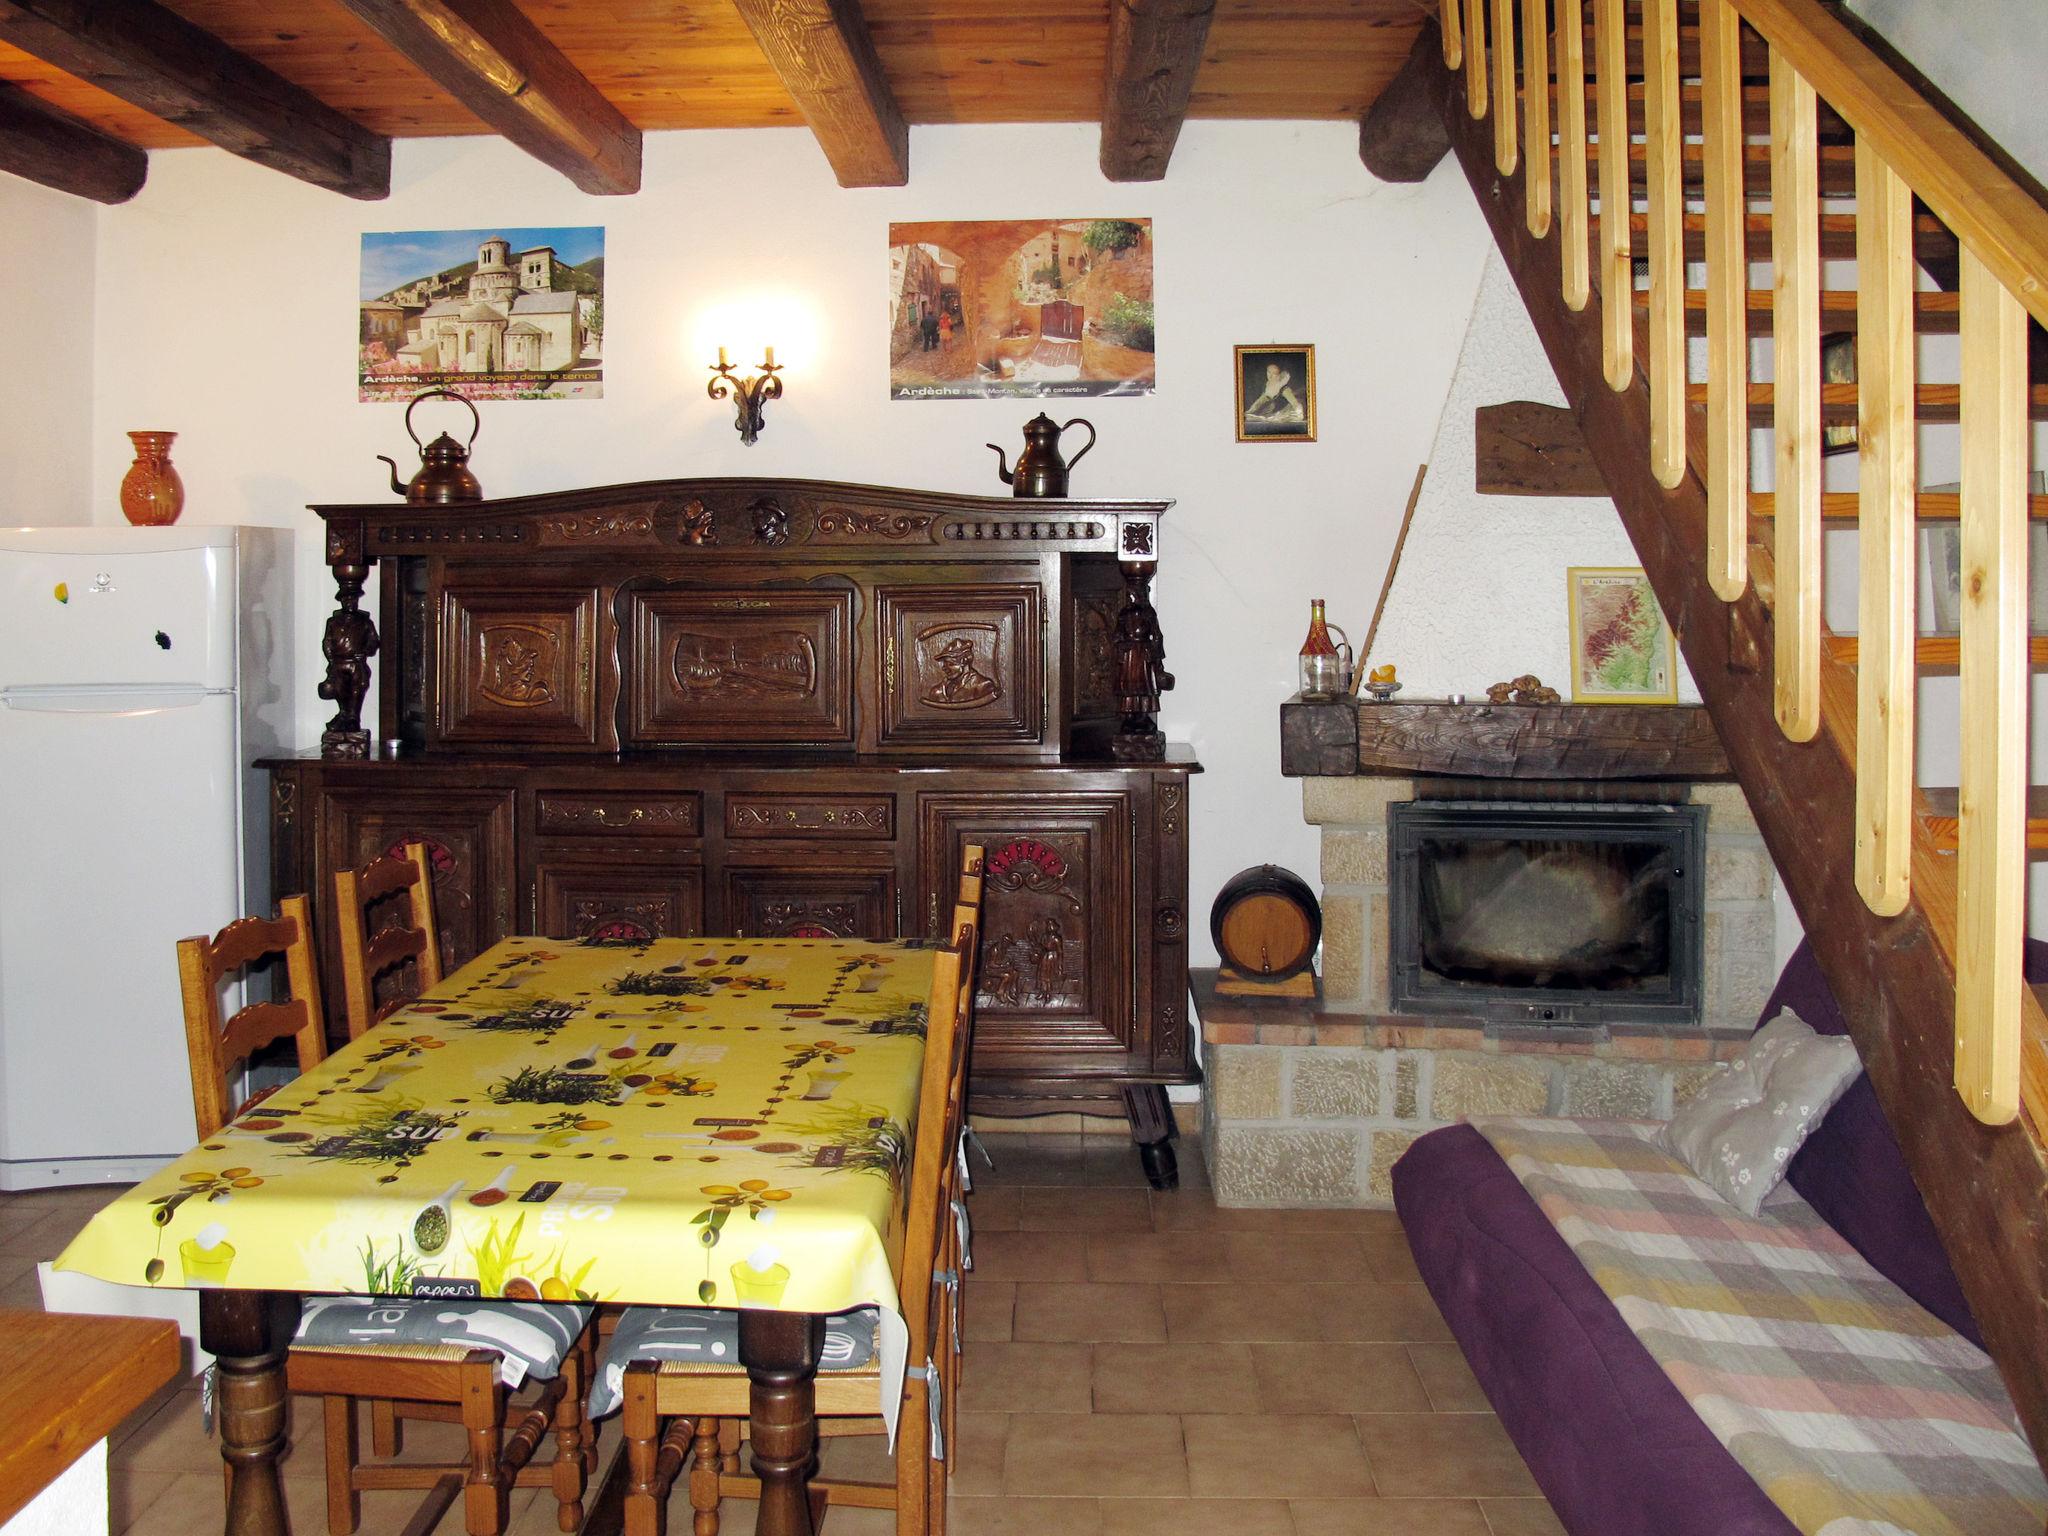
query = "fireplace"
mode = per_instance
[{"x": 1548, "y": 914}]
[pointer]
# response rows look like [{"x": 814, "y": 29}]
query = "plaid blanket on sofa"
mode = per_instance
[{"x": 1857, "y": 1412}]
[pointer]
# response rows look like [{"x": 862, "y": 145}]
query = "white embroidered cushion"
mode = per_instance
[{"x": 1741, "y": 1130}]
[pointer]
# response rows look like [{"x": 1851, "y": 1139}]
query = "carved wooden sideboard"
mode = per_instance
[{"x": 774, "y": 707}]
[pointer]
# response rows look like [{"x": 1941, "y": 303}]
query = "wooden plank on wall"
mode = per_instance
[
  {"x": 154, "y": 59},
  {"x": 1528, "y": 449}
]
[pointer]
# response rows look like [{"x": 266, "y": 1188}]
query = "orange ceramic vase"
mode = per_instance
[{"x": 152, "y": 495}]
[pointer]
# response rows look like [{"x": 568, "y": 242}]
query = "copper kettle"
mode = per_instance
[
  {"x": 444, "y": 463},
  {"x": 1040, "y": 469}
]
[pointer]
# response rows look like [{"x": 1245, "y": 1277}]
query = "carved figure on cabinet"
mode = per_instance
[
  {"x": 513, "y": 679},
  {"x": 961, "y": 683},
  {"x": 1141, "y": 674}
]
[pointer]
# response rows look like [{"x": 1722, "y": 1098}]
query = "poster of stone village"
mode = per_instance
[
  {"x": 982, "y": 309},
  {"x": 498, "y": 314}
]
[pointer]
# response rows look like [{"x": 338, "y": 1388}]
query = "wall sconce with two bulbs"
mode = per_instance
[{"x": 748, "y": 395}]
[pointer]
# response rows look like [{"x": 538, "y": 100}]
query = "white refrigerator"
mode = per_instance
[{"x": 142, "y": 670}]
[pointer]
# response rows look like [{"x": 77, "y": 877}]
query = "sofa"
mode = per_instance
[{"x": 1609, "y": 1438}]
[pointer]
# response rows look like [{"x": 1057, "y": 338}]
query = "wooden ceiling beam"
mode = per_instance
[
  {"x": 1155, "y": 47},
  {"x": 502, "y": 67},
  {"x": 1400, "y": 137},
  {"x": 154, "y": 59},
  {"x": 827, "y": 62},
  {"x": 54, "y": 148}
]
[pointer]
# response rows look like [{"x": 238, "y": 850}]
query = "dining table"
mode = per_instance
[{"x": 667, "y": 1122}]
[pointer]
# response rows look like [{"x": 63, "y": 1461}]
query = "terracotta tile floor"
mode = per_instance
[{"x": 1138, "y": 1364}]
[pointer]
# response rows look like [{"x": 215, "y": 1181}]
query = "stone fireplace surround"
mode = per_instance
[{"x": 1311, "y": 1103}]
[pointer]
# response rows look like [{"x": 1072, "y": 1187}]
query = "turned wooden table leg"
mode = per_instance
[
  {"x": 780, "y": 1351},
  {"x": 1152, "y": 1128},
  {"x": 247, "y": 1332}
]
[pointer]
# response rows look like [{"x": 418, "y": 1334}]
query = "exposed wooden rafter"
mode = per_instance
[
  {"x": 503, "y": 68},
  {"x": 827, "y": 61},
  {"x": 158, "y": 61},
  {"x": 43, "y": 144},
  {"x": 1155, "y": 47},
  {"x": 1401, "y": 138}
]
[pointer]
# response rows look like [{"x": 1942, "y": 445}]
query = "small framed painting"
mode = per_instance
[
  {"x": 1621, "y": 646},
  {"x": 1276, "y": 393}
]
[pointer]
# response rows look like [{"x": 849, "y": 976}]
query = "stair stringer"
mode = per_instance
[{"x": 1894, "y": 977}]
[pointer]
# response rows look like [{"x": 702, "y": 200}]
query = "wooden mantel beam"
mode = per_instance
[
  {"x": 503, "y": 68},
  {"x": 43, "y": 144},
  {"x": 828, "y": 64},
  {"x": 154, "y": 59},
  {"x": 1155, "y": 47}
]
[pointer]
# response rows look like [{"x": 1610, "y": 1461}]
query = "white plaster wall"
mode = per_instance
[
  {"x": 1480, "y": 596},
  {"x": 46, "y": 245},
  {"x": 1988, "y": 56},
  {"x": 228, "y": 313},
  {"x": 74, "y": 1505}
]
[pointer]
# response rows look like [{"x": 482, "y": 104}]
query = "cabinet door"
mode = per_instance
[
  {"x": 811, "y": 902},
  {"x": 962, "y": 666},
  {"x": 469, "y": 835},
  {"x": 516, "y": 666},
  {"x": 604, "y": 900},
  {"x": 1054, "y": 993},
  {"x": 724, "y": 667}
]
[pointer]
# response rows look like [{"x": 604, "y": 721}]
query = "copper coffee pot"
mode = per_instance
[
  {"x": 1040, "y": 469},
  {"x": 444, "y": 463}
]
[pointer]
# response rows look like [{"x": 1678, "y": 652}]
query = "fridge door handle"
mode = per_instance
[{"x": 111, "y": 701}]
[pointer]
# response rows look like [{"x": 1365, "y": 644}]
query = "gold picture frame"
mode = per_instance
[
  {"x": 1276, "y": 392},
  {"x": 1622, "y": 650}
]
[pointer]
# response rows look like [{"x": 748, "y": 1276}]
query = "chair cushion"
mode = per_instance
[
  {"x": 529, "y": 1337},
  {"x": 1740, "y": 1131},
  {"x": 710, "y": 1336}
]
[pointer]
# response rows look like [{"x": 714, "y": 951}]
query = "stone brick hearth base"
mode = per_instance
[{"x": 1306, "y": 1107}]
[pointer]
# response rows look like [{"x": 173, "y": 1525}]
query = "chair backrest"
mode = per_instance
[
  {"x": 406, "y": 877},
  {"x": 215, "y": 1044},
  {"x": 971, "y": 857},
  {"x": 931, "y": 1155}
]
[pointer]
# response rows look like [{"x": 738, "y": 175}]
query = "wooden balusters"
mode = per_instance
[
  {"x": 1991, "y": 837},
  {"x": 1536, "y": 115},
  {"x": 1795, "y": 361},
  {"x": 1505, "y": 157},
  {"x": 1664, "y": 141},
  {"x": 1617, "y": 268},
  {"x": 1727, "y": 300},
  {"x": 1571, "y": 148},
  {"x": 1475, "y": 57},
  {"x": 1886, "y": 622},
  {"x": 1453, "y": 34}
]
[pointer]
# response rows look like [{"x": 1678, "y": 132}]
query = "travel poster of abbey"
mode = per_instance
[
  {"x": 499, "y": 314},
  {"x": 991, "y": 308}
]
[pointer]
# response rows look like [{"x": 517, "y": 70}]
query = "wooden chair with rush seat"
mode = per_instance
[
  {"x": 368, "y": 955},
  {"x": 705, "y": 1406},
  {"x": 445, "y": 1377}
]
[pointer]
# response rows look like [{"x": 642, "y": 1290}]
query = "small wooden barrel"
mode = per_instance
[{"x": 1266, "y": 922}]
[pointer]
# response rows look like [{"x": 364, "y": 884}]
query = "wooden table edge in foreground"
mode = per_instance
[{"x": 68, "y": 1381}]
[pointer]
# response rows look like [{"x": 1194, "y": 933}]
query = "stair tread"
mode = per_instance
[
  {"x": 1846, "y": 507},
  {"x": 1931, "y": 238},
  {"x": 1940, "y": 816},
  {"x": 1931, "y": 650},
  {"x": 1932, "y": 402},
  {"x": 1934, "y": 314}
]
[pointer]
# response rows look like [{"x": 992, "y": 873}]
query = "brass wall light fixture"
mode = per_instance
[{"x": 748, "y": 395}]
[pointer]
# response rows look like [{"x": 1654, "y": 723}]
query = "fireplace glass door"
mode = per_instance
[{"x": 1547, "y": 914}]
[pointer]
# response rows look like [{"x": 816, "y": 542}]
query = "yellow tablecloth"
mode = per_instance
[{"x": 696, "y": 1121}]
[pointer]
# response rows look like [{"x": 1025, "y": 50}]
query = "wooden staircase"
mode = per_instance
[{"x": 1755, "y": 152}]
